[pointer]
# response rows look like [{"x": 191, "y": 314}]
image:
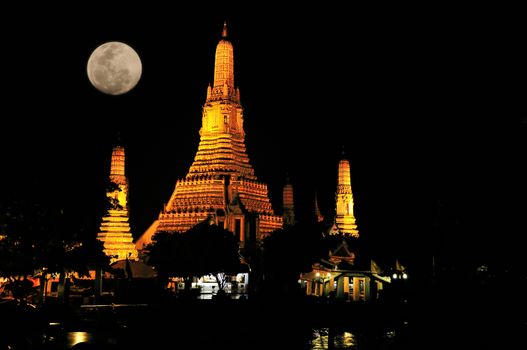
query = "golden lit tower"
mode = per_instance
[
  {"x": 115, "y": 228},
  {"x": 289, "y": 206},
  {"x": 221, "y": 183},
  {"x": 344, "y": 197}
]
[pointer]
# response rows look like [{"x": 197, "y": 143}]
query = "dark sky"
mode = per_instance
[{"x": 419, "y": 97}]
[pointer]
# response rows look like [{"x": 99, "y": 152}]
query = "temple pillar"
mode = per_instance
[
  {"x": 367, "y": 290},
  {"x": 356, "y": 288},
  {"x": 331, "y": 283},
  {"x": 342, "y": 287}
]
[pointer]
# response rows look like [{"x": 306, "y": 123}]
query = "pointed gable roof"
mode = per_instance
[{"x": 342, "y": 254}]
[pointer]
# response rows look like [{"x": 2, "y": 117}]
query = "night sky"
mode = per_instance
[{"x": 419, "y": 98}]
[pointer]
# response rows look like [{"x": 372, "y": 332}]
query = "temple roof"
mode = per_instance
[{"x": 342, "y": 251}]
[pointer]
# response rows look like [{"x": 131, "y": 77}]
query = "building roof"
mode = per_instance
[{"x": 342, "y": 251}]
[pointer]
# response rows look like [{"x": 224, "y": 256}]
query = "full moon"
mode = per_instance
[{"x": 114, "y": 68}]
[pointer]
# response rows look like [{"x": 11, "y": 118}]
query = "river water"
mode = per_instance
[
  {"x": 320, "y": 340},
  {"x": 234, "y": 326},
  {"x": 205, "y": 327}
]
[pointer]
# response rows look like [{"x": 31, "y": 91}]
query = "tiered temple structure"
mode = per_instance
[
  {"x": 221, "y": 185},
  {"x": 345, "y": 219},
  {"x": 115, "y": 229}
]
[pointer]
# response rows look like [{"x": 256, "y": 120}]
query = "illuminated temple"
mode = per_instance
[
  {"x": 115, "y": 228},
  {"x": 345, "y": 219},
  {"x": 221, "y": 184}
]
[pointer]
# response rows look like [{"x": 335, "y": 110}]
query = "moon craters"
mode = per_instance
[{"x": 114, "y": 68}]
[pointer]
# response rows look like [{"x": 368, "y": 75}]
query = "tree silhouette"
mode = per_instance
[
  {"x": 112, "y": 203},
  {"x": 38, "y": 240},
  {"x": 289, "y": 252},
  {"x": 204, "y": 249}
]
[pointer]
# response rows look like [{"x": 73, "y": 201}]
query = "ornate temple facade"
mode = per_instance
[
  {"x": 345, "y": 219},
  {"x": 221, "y": 184},
  {"x": 115, "y": 230},
  {"x": 344, "y": 278}
]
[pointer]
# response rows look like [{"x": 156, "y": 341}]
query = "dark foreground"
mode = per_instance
[
  {"x": 425, "y": 322},
  {"x": 193, "y": 324}
]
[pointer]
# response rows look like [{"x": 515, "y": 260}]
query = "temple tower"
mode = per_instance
[
  {"x": 288, "y": 203},
  {"x": 221, "y": 184},
  {"x": 115, "y": 228},
  {"x": 345, "y": 218}
]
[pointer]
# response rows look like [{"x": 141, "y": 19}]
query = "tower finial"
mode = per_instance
[{"x": 224, "y": 33}]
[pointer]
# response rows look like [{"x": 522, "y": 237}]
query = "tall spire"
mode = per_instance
[
  {"x": 224, "y": 66},
  {"x": 221, "y": 184},
  {"x": 345, "y": 218},
  {"x": 115, "y": 228},
  {"x": 118, "y": 177},
  {"x": 289, "y": 205},
  {"x": 344, "y": 178},
  {"x": 117, "y": 165},
  {"x": 222, "y": 144}
]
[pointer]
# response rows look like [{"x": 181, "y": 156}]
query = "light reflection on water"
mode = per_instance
[
  {"x": 75, "y": 338},
  {"x": 343, "y": 340}
]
